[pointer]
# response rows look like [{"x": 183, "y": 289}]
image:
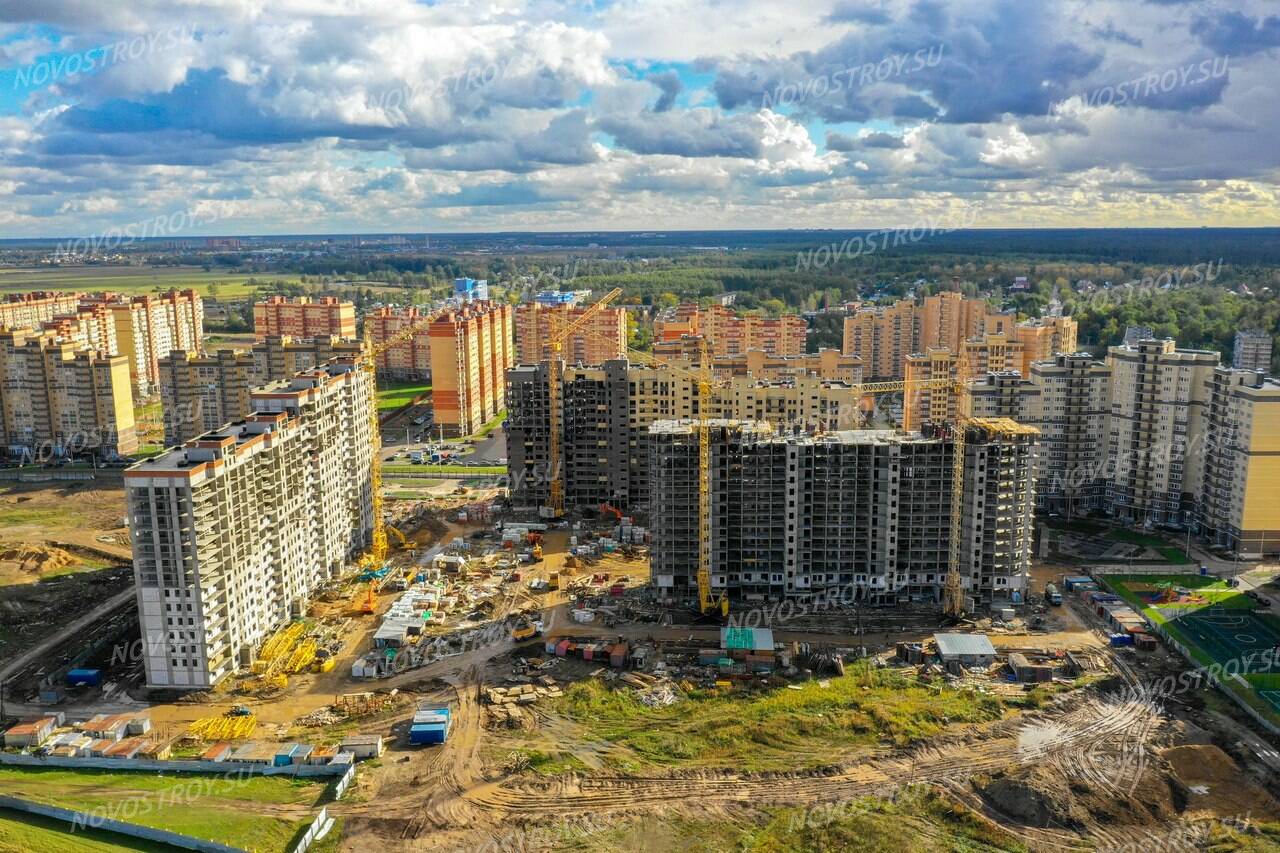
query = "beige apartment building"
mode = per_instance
[
  {"x": 1158, "y": 405},
  {"x": 1072, "y": 412},
  {"x": 234, "y": 531},
  {"x": 471, "y": 348},
  {"x": 603, "y": 337},
  {"x": 689, "y": 353},
  {"x": 728, "y": 333},
  {"x": 409, "y": 360},
  {"x": 882, "y": 338},
  {"x": 1044, "y": 338},
  {"x": 1240, "y": 503},
  {"x": 304, "y": 317},
  {"x": 57, "y": 394},
  {"x": 200, "y": 392},
  {"x": 31, "y": 310}
]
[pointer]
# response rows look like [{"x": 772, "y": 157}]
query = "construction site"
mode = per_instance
[{"x": 808, "y": 639}]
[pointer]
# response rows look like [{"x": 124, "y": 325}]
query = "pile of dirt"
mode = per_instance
[
  {"x": 1216, "y": 786},
  {"x": 34, "y": 559},
  {"x": 1042, "y": 795}
]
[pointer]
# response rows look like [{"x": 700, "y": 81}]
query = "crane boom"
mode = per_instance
[
  {"x": 369, "y": 362},
  {"x": 555, "y": 499}
]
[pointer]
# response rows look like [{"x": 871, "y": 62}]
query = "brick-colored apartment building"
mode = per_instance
[
  {"x": 471, "y": 349},
  {"x": 409, "y": 360},
  {"x": 304, "y": 317},
  {"x": 604, "y": 336},
  {"x": 729, "y": 333}
]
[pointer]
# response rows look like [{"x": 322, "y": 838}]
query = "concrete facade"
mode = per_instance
[
  {"x": 201, "y": 392},
  {"x": 796, "y": 515},
  {"x": 607, "y": 410},
  {"x": 233, "y": 531}
]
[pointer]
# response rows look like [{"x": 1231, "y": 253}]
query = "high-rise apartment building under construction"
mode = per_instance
[
  {"x": 796, "y": 515},
  {"x": 233, "y": 531}
]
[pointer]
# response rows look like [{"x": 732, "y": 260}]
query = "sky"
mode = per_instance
[{"x": 319, "y": 116}]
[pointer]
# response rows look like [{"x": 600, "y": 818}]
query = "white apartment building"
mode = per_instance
[{"x": 233, "y": 531}]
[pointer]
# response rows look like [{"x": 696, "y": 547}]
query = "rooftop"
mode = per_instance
[{"x": 964, "y": 645}]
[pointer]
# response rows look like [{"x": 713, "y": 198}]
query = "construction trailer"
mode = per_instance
[
  {"x": 430, "y": 725},
  {"x": 965, "y": 649}
]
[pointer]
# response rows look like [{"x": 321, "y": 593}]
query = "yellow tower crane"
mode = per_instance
[
  {"x": 555, "y": 502},
  {"x": 369, "y": 362},
  {"x": 707, "y": 603},
  {"x": 957, "y": 384}
]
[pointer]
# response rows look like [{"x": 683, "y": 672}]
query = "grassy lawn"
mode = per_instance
[
  {"x": 394, "y": 395},
  {"x": 777, "y": 729},
  {"x": 146, "y": 451},
  {"x": 14, "y": 517},
  {"x": 1215, "y": 591},
  {"x": 495, "y": 470},
  {"x": 416, "y": 482},
  {"x": 23, "y": 833},
  {"x": 483, "y": 431},
  {"x": 211, "y": 807},
  {"x": 917, "y": 819}
]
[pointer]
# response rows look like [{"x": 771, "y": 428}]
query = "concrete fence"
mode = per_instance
[
  {"x": 161, "y": 836},
  {"x": 188, "y": 766},
  {"x": 319, "y": 829},
  {"x": 340, "y": 787}
]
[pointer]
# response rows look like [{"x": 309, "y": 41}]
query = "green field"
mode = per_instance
[
  {"x": 483, "y": 431},
  {"x": 777, "y": 729},
  {"x": 394, "y": 395},
  {"x": 24, "y": 833},
  {"x": 133, "y": 280},
  {"x": 211, "y": 807}
]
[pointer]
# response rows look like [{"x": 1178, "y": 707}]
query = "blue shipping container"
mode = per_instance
[
  {"x": 92, "y": 677},
  {"x": 1122, "y": 639},
  {"x": 425, "y": 733}
]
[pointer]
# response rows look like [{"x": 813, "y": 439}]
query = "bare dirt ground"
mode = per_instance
[
  {"x": 1058, "y": 778},
  {"x": 86, "y": 513}
]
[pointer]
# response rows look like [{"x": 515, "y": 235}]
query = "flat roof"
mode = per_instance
[{"x": 964, "y": 645}]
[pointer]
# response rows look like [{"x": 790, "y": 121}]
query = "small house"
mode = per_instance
[
  {"x": 220, "y": 751},
  {"x": 363, "y": 746},
  {"x": 322, "y": 755},
  {"x": 965, "y": 649}
]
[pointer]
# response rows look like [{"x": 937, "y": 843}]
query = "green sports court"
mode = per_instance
[{"x": 1223, "y": 628}]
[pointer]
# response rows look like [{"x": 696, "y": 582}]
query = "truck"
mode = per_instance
[
  {"x": 415, "y": 456},
  {"x": 1052, "y": 595}
]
